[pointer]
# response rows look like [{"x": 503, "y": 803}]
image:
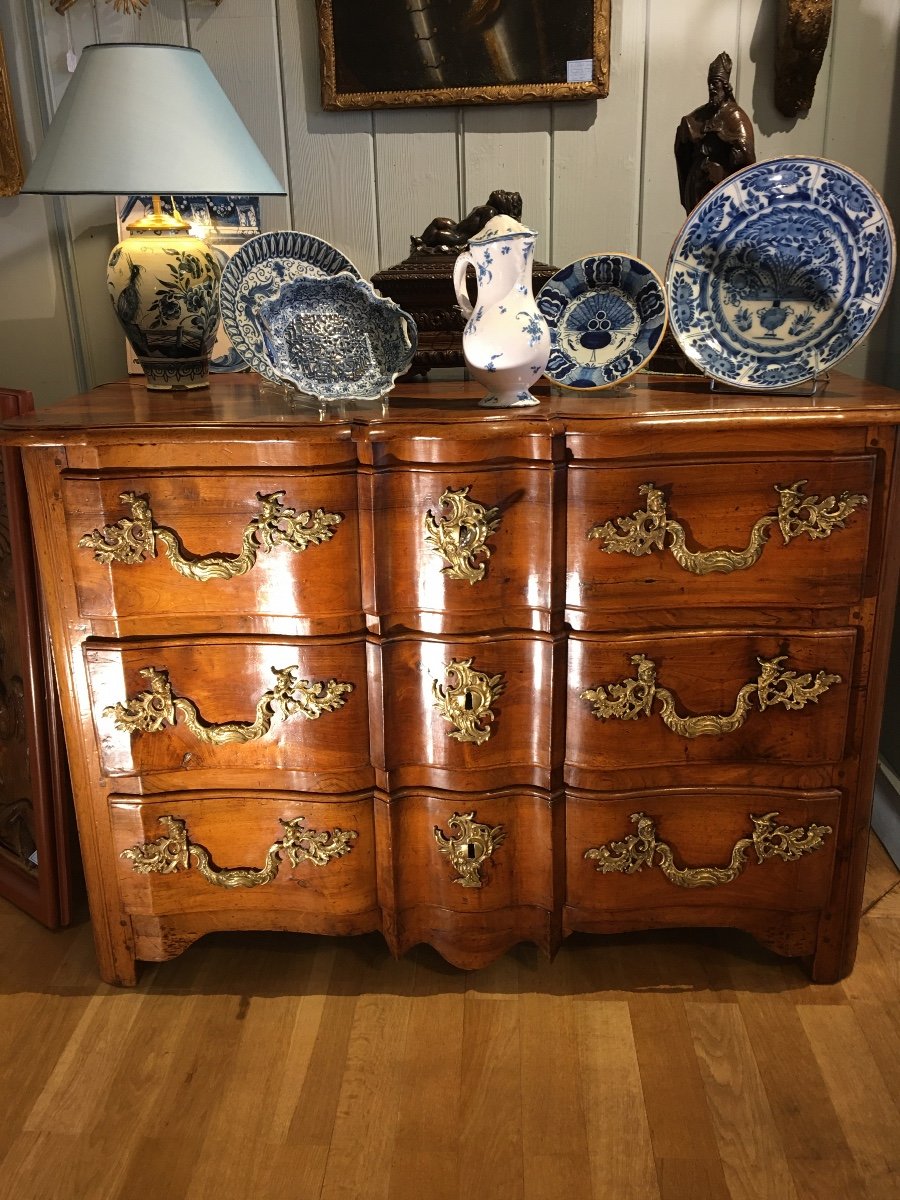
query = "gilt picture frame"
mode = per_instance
[
  {"x": 449, "y": 52},
  {"x": 11, "y": 174}
]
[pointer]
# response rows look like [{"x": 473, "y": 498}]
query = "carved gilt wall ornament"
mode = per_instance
[
  {"x": 470, "y": 848},
  {"x": 174, "y": 851},
  {"x": 769, "y": 840},
  {"x": 152, "y": 710},
  {"x": 651, "y": 528},
  {"x": 465, "y": 698},
  {"x": 459, "y": 532},
  {"x": 134, "y": 538},
  {"x": 775, "y": 684},
  {"x": 800, "y": 41}
]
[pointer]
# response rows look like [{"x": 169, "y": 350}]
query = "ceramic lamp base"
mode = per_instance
[
  {"x": 166, "y": 375},
  {"x": 164, "y": 287}
]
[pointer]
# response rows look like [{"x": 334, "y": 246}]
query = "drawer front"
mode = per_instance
[
  {"x": 455, "y": 544},
  {"x": 707, "y": 534},
  {"x": 750, "y": 848},
  {"x": 233, "y": 707},
  {"x": 715, "y": 697},
  {"x": 228, "y": 548},
  {"x": 183, "y": 853},
  {"x": 461, "y": 714},
  {"x": 469, "y": 853}
]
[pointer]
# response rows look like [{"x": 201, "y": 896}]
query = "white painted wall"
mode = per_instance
[{"x": 594, "y": 175}]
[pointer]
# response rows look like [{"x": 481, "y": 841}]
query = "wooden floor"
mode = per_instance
[{"x": 679, "y": 1066}]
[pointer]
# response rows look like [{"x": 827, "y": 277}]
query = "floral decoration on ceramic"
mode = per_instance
[
  {"x": 607, "y": 316},
  {"x": 336, "y": 338},
  {"x": 779, "y": 272},
  {"x": 506, "y": 341},
  {"x": 256, "y": 273}
]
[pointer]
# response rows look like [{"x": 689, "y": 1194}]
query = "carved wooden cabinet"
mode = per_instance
[
  {"x": 39, "y": 870},
  {"x": 469, "y": 677}
]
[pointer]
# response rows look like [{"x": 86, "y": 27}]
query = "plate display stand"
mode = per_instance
[{"x": 814, "y": 386}]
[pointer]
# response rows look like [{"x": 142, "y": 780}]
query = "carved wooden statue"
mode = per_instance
[
  {"x": 803, "y": 27},
  {"x": 714, "y": 140}
]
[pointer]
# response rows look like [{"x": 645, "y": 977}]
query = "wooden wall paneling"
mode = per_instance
[
  {"x": 508, "y": 146},
  {"x": 330, "y": 155},
  {"x": 863, "y": 122},
  {"x": 682, "y": 40},
  {"x": 596, "y": 162},
  {"x": 416, "y": 174},
  {"x": 754, "y": 84},
  {"x": 33, "y": 310},
  {"x": 240, "y": 44}
]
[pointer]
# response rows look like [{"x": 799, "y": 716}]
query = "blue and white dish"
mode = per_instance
[
  {"x": 607, "y": 315},
  {"x": 779, "y": 272},
  {"x": 256, "y": 273},
  {"x": 336, "y": 338}
]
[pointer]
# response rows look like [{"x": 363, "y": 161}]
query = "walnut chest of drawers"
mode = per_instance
[{"x": 465, "y": 677}]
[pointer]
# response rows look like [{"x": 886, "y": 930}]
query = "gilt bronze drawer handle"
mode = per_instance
[
  {"x": 133, "y": 539},
  {"x": 648, "y": 528},
  {"x": 633, "y": 698},
  {"x": 174, "y": 851},
  {"x": 465, "y": 698},
  {"x": 473, "y": 845},
  {"x": 458, "y": 534},
  {"x": 151, "y": 711},
  {"x": 769, "y": 840}
]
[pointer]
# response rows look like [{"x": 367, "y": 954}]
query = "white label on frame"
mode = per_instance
[{"x": 579, "y": 70}]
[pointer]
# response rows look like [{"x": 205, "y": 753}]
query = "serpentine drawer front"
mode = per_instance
[
  {"x": 469, "y": 677},
  {"x": 218, "y": 851},
  {"x": 224, "y": 547}
]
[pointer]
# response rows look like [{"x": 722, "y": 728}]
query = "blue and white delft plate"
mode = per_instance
[
  {"x": 336, "y": 338},
  {"x": 256, "y": 273},
  {"x": 779, "y": 272},
  {"x": 607, "y": 315}
]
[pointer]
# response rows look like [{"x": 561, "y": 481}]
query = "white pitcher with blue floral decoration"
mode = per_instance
[{"x": 506, "y": 342}]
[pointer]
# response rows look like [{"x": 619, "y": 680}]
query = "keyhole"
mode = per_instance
[
  {"x": 470, "y": 849},
  {"x": 467, "y": 703}
]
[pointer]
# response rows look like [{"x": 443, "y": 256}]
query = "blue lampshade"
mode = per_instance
[{"x": 138, "y": 119}]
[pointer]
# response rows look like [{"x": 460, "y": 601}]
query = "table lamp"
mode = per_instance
[{"x": 141, "y": 119}]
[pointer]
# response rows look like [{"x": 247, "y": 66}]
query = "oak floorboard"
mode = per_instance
[
  {"x": 680, "y": 1122},
  {"x": 426, "y": 1145},
  {"x": 868, "y": 1115},
  {"x": 755, "y": 1168},
  {"x": 490, "y": 1127},
  {"x": 618, "y": 1135}
]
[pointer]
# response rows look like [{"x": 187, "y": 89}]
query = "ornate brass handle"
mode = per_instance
[
  {"x": 473, "y": 845},
  {"x": 465, "y": 698},
  {"x": 134, "y": 538},
  {"x": 649, "y": 528},
  {"x": 174, "y": 851},
  {"x": 458, "y": 534},
  {"x": 769, "y": 840},
  {"x": 633, "y": 698},
  {"x": 151, "y": 711}
]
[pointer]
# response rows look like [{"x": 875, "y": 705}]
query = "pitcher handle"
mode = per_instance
[{"x": 459, "y": 283}]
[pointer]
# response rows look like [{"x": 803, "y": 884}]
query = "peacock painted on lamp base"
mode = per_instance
[{"x": 164, "y": 287}]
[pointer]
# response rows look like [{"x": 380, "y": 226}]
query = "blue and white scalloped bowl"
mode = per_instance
[
  {"x": 607, "y": 316},
  {"x": 256, "y": 272},
  {"x": 336, "y": 338}
]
